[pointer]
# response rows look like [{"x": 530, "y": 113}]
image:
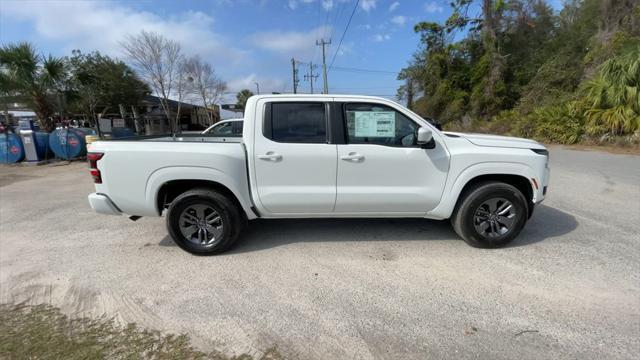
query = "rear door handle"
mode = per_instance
[
  {"x": 352, "y": 157},
  {"x": 271, "y": 156}
]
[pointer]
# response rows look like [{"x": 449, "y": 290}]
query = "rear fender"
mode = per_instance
[{"x": 161, "y": 176}]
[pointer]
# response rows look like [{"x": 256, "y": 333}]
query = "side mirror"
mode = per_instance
[{"x": 424, "y": 136}]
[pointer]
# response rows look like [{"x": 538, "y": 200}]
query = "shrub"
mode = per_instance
[
  {"x": 613, "y": 96},
  {"x": 562, "y": 124}
]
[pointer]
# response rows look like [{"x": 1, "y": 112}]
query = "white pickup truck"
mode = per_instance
[{"x": 321, "y": 156}]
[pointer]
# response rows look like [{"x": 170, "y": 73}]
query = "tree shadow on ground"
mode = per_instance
[{"x": 547, "y": 222}]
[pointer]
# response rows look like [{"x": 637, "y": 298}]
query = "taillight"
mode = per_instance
[
  {"x": 93, "y": 166},
  {"x": 93, "y": 159}
]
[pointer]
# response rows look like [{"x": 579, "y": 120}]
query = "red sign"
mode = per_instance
[
  {"x": 73, "y": 142},
  {"x": 14, "y": 149}
]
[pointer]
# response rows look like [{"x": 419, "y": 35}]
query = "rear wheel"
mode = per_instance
[
  {"x": 204, "y": 222},
  {"x": 490, "y": 214}
]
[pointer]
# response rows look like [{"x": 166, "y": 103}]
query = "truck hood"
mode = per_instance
[{"x": 498, "y": 141}]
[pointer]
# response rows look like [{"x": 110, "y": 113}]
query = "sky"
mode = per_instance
[{"x": 247, "y": 41}]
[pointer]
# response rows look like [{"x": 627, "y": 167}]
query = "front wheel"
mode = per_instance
[
  {"x": 204, "y": 222},
  {"x": 490, "y": 214}
]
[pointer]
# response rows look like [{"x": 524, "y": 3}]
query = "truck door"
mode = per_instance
[
  {"x": 295, "y": 166},
  {"x": 381, "y": 169}
]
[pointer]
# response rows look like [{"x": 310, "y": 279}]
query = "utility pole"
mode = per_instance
[
  {"x": 324, "y": 64},
  {"x": 294, "y": 76},
  {"x": 310, "y": 76},
  {"x": 257, "y": 88}
]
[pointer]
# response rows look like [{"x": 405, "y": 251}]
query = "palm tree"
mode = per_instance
[
  {"x": 614, "y": 95},
  {"x": 242, "y": 97},
  {"x": 32, "y": 77}
]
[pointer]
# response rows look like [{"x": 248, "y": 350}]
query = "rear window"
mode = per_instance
[{"x": 297, "y": 122}]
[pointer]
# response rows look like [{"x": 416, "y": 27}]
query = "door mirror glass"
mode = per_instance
[{"x": 424, "y": 136}]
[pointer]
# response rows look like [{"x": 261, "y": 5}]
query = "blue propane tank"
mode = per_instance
[
  {"x": 11, "y": 148},
  {"x": 42, "y": 144},
  {"x": 69, "y": 143}
]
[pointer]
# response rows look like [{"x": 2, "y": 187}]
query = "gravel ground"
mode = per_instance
[{"x": 568, "y": 287}]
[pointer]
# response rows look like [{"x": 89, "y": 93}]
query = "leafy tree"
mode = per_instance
[
  {"x": 528, "y": 70},
  {"x": 242, "y": 97},
  {"x": 98, "y": 83},
  {"x": 31, "y": 77}
]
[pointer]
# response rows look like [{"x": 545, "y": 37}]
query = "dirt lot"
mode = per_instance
[{"x": 568, "y": 287}]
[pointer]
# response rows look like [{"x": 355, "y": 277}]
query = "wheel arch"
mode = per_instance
[
  {"x": 516, "y": 174},
  {"x": 172, "y": 189},
  {"x": 518, "y": 181},
  {"x": 166, "y": 184}
]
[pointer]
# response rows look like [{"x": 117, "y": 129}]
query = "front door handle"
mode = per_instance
[
  {"x": 271, "y": 156},
  {"x": 353, "y": 156}
]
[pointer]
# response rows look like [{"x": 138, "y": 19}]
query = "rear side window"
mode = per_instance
[{"x": 296, "y": 123}]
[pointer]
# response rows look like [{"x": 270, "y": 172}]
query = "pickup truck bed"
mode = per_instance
[{"x": 150, "y": 162}]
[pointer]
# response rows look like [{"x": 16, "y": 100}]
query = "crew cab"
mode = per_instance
[{"x": 321, "y": 156}]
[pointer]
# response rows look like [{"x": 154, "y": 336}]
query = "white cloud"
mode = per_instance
[
  {"x": 381, "y": 37},
  {"x": 267, "y": 85},
  {"x": 101, "y": 26},
  {"x": 368, "y": 5},
  {"x": 289, "y": 43},
  {"x": 394, "y": 5},
  {"x": 433, "y": 7},
  {"x": 325, "y": 4},
  {"x": 399, "y": 20}
]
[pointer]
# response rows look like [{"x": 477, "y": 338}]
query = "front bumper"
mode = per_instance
[{"x": 101, "y": 204}]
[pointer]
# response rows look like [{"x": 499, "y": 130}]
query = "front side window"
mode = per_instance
[
  {"x": 379, "y": 125},
  {"x": 297, "y": 123}
]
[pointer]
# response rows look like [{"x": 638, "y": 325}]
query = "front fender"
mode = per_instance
[
  {"x": 236, "y": 184},
  {"x": 454, "y": 187}
]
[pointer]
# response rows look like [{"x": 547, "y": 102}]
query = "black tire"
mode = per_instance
[
  {"x": 230, "y": 217},
  {"x": 469, "y": 214}
]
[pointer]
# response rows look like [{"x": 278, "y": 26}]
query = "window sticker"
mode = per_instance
[{"x": 375, "y": 124}]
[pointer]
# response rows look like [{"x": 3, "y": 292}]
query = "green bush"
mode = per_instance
[
  {"x": 562, "y": 124},
  {"x": 613, "y": 96}
]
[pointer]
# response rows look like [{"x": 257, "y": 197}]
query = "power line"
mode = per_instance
[
  {"x": 326, "y": 20},
  {"x": 365, "y": 88},
  {"x": 336, "y": 19},
  {"x": 343, "y": 34},
  {"x": 364, "y": 71}
]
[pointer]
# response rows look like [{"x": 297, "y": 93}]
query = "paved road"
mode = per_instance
[{"x": 569, "y": 287}]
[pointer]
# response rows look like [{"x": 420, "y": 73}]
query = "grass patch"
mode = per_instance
[{"x": 43, "y": 332}]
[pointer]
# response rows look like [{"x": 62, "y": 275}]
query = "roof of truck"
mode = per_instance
[{"x": 321, "y": 96}]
